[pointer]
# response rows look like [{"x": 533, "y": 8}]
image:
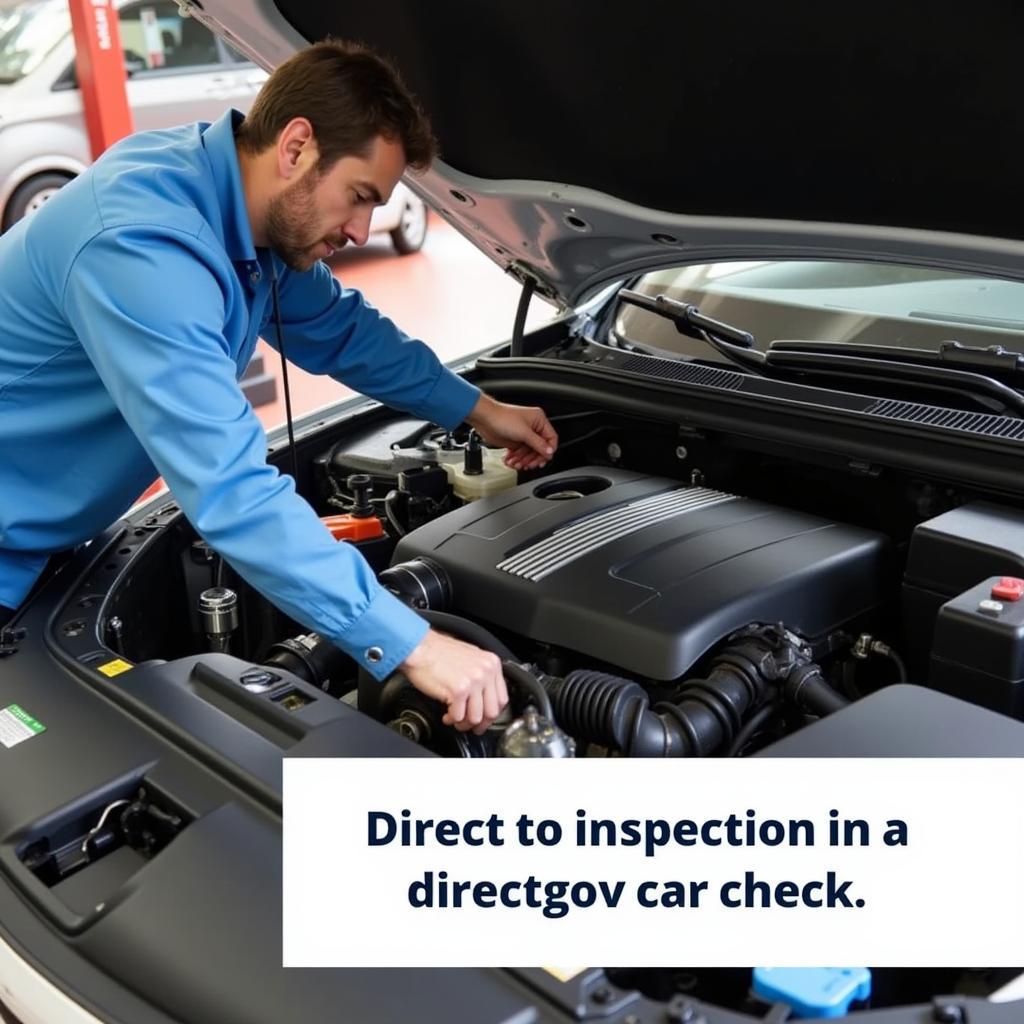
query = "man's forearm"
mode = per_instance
[{"x": 480, "y": 413}]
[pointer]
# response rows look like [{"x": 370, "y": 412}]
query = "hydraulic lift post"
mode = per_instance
[{"x": 99, "y": 64}]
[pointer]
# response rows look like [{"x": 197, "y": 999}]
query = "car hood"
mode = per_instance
[{"x": 586, "y": 143}]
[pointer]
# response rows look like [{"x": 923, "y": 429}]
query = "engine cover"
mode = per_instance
[{"x": 644, "y": 573}]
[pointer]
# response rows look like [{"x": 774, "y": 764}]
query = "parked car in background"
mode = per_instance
[{"x": 182, "y": 73}]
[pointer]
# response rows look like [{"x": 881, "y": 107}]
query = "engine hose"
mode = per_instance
[
  {"x": 530, "y": 685},
  {"x": 311, "y": 658},
  {"x": 753, "y": 724},
  {"x": 465, "y": 629},
  {"x": 390, "y": 500},
  {"x": 807, "y": 688},
  {"x": 616, "y": 713},
  {"x": 707, "y": 715}
]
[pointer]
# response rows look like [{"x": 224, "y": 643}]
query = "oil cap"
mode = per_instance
[{"x": 813, "y": 991}]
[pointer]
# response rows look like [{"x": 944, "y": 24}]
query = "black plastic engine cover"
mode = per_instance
[{"x": 644, "y": 573}]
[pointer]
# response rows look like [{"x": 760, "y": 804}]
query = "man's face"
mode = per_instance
[{"x": 320, "y": 213}]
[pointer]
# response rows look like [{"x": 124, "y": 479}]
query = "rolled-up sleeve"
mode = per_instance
[
  {"x": 149, "y": 310},
  {"x": 333, "y": 330}
]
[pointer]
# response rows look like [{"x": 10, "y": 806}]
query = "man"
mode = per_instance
[{"x": 131, "y": 303}]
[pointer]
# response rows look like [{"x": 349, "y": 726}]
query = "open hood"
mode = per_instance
[{"x": 583, "y": 143}]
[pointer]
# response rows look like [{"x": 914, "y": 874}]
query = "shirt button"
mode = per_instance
[{"x": 373, "y": 655}]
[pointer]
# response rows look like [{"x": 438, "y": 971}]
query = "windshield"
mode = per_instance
[
  {"x": 864, "y": 303},
  {"x": 28, "y": 34}
]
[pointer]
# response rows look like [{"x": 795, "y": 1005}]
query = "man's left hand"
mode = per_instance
[{"x": 524, "y": 430}]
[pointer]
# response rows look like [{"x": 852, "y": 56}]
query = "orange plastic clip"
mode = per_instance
[{"x": 351, "y": 528}]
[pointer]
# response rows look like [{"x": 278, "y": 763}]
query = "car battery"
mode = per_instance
[
  {"x": 947, "y": 556},
  {"x": 978, "y": 650}
]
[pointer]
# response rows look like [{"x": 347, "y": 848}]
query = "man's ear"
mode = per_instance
[{"x": 296, "y": 148}]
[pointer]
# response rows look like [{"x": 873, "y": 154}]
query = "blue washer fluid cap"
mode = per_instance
[{"x": 813, "y": 991}]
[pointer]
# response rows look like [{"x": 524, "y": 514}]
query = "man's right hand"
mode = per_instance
[{"x": 465, "y": 678}]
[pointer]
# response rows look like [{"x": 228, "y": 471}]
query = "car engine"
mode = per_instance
[
  {"x": 638, "y": 610},
  {"x": 653, "y": 592},
  {"x": 642, "y": 573}
]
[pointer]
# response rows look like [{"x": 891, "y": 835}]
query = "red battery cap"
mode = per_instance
[{"x": 1009, "y": 588}]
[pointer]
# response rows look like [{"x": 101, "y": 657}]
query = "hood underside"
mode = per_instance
[{"x": 582, "y": 143}]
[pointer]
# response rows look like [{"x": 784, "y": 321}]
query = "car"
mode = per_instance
[
  {"x": 186, "y": 74},
  {"x": 786, "y": 516}
]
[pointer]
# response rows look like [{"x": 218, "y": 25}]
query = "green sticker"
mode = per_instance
[{"x": 17, "y": 725}]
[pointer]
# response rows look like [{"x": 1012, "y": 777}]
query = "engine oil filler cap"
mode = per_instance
[
  {"x": 1009, "y": 588},
  {"x": 813, "y": 991}
]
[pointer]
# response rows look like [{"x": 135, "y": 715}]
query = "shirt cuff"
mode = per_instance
[
  {"x": 452, "y": 399},
  {"x": 384, "y": 635}
]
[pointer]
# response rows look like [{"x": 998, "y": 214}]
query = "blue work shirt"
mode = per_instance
[{"x": 130, "y": 305}]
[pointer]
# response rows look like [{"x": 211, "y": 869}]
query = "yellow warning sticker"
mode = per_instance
[
  {"x": 564, "y": 973},
  {"x": 115, "y": 667}
]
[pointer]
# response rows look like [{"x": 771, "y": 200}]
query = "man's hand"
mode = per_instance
[
  {"x": 524, "y": 430},
  {"x": 469, "y": 680}
]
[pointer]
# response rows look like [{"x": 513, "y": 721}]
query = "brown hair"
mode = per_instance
[{"x": 350, "y": 95}]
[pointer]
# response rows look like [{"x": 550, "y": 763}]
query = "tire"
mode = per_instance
[
  {"x": 30, "y": 195},
  {"x": 411, "y": 232}
]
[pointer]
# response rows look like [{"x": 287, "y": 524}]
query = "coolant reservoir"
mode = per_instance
[{"x": 480, "y": 472}]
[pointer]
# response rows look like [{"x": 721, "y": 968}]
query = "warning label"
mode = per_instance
[
  {"x": 17, "y": 725},
  {"x": 115, "y": 667}
]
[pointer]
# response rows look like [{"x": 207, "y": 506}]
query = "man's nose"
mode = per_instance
[{"x": 357, "y": 230}]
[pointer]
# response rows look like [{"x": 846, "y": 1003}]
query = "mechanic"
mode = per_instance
[{"x": 131, "y": 303}]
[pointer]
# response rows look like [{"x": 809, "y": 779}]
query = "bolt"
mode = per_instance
[
  {"x": 614, "y": 452},
  {"x": 601, "y": 995},
  {"x": 948, "y": 1013},
  {"x": 681, "y": 453},
  {"x": 682, "y": 1011}
]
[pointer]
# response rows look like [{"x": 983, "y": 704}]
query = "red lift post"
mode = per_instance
[{"x": 99, "y": 63}]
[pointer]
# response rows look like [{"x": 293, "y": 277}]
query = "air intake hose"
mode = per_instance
[{"x": 705, "y": 716}]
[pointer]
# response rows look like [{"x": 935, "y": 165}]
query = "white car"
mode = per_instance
[{"x": 191, "y": 76}]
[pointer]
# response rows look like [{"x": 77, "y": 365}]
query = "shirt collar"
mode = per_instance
[{"x": 219, "y": 141}]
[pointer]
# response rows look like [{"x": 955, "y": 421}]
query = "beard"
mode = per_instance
[{"x": 291, "y": 224}]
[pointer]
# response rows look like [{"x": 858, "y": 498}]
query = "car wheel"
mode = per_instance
[
  {"x": 30, "y": 195},
  {"x": 412, "y": 228}
]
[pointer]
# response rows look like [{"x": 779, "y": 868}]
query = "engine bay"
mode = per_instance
[
  {"x": 656, "y": 591},
  {"x": 646, "y": 597}
]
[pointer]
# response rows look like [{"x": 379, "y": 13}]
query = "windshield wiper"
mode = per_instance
[
  {"x": 735, "y": 344},
  {"x": 994, "y": 359},
  {"x": 837, "y": 360},
  {"x": 872, "y": 363}
]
